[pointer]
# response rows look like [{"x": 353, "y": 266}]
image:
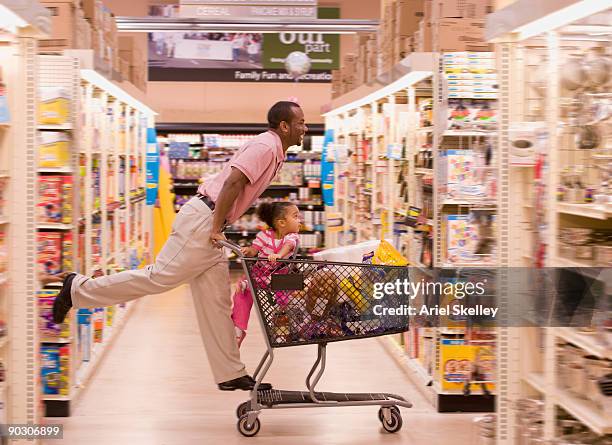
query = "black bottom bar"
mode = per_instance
[
  {"x": 458, "y": 403},
  {"x": 57, "y": 408}
]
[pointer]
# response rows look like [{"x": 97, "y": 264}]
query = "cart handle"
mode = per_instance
[{"x": 233, "y": 247}]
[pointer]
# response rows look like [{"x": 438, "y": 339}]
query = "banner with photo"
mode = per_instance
[{"x": 239, "y": 57}]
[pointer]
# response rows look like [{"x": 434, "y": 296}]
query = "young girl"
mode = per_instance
[{"x": 279, "y": 241}]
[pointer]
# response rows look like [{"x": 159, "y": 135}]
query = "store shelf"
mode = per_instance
[
  {"x": 56, "y": 340},
  {"x": 468, "y": 133},
  {"x": 588, "y": 342},
  {"x": 568, "y": 262},
  {"x": 585, "y": 210},
  {"x": 51, "y": 397},
  {"x": 3, "y": 220},
  {"x": 58, "y": 170},
  {"x": 5, "y": 124},
  {"x": 425, "y": 130},
  {"x": 62, "y": 127},
  {"x": 423, "y": 171},
  {"x": 585, "y": 411},
  {"x": 468, "y": 202},
  {"x": 54, "y": 226},
  {"x": 536, "y": 381},
  {"x": 3, "y": 341}
]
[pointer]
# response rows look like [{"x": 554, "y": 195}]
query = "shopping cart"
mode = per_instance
[{"x": 303, "y": 302}]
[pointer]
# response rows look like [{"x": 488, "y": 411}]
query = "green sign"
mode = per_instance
[{"x": 323, "y": 49}]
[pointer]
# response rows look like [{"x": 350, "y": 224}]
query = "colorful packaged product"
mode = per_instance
[
  {"x": 54, "y": 149},
  {"x": 54, "y": 368},
  {"x": 53, "y": 106},
  {"x": 67, "y": 260},
  {"x": 50, "y": 252},
  {"x": 47, "y": 327},
  {"x": 84, "y": 322},
  {"x": 49, "y": 199},
  {"x": 67, "y": 198}
]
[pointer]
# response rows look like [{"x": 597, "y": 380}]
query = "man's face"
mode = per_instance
[{"x": 297, "y": 127}]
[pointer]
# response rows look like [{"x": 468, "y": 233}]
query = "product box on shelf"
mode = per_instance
[
  {"x": 47, "y": 328},
  {"x": 54, "y": 369},
  {"x": 50, "y": 252},
  {"x": 85, "y": 333},
  {"x": 49, "y": 199},
  {"x": 467, "y": 9},
  {"x": 63, "y": 26},
  {"x": 67, "y": 259},
  {"x": 461, "y": 35},
  {"x": 408, "y": 14},
  {"x": 53, "y": 106},
  {"x": 67, "y": 199}
]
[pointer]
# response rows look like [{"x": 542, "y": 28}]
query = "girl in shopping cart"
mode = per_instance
[{"x": 279, "y": 241}]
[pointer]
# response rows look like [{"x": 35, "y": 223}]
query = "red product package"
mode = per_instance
[
  {"x": 50, "y": 199},
  {"x": 50, "y": 252}
]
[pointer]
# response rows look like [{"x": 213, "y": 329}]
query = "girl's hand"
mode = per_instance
[
  {"x": 273, "y": 257},
  {"x": 248, "y": 251}
]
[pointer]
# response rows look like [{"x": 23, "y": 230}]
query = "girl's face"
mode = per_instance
[{"x": 290, "y": 222}]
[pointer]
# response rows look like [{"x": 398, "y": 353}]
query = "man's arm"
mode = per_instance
[{"x": 232, "y": 187}]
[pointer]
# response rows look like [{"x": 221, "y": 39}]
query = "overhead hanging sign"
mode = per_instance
[
  {"x": 243, "y": 57},
  {"x": 231, "y": 11},
  {"x": 251, "y": 2}
]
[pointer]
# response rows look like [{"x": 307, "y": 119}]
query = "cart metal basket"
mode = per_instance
[{"x": 302, "y": 302}]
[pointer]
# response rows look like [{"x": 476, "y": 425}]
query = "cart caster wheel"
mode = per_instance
[
  {"x": 395, "y": 423},
  {"x": 381, "y": 417},
  {"x": 250, "y": 430},
  {"x": 242, "y": 409}
]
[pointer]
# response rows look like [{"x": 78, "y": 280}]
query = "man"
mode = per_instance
[
  {"x": 192, "y": 253},
  {"x": 237, "y": 45}
]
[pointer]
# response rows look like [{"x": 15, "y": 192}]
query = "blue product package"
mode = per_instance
[{"x": 50, "y": 369}]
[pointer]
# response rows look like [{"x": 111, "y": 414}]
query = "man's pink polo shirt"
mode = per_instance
[{"x": 259, "y": 160}]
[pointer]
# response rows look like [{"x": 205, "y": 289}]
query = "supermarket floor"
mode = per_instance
[{"x": 155, "y": 388}]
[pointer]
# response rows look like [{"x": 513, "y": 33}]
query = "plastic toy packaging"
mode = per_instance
[
  {"x": 54, "y": 149},
  {"x": 54, "y": 106},
  {"x": 49, "y": 199}
]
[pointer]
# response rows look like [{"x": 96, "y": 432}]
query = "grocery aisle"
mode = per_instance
[{"x": 155, "y": 387}]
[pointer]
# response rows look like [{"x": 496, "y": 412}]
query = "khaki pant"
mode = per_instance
[{"x": 187, "y": 257}]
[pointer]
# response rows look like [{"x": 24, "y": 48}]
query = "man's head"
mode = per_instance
[{"x": 287, "y": 120}]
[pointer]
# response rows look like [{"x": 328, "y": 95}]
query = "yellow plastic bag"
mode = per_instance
[{"x": 387, "y": 254}]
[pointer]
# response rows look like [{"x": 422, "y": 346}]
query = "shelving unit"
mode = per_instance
[
  {"x": 23, "y": 23},
  {"x": 105, "y": 224},
  {"x": 388, "y": 185},
  {"x": 547, "y": 198},
  {"x": 198, "y": 152}
]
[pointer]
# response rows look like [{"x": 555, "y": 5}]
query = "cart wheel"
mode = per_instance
[
  {"x": 242, "y": 409},
  {"x": 249, "y": 430},
  {"x": 381, "y": 416},
  {"x": 395, "y": 423}
]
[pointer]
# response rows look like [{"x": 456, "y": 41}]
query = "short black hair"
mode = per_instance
[
  {"x": 269, "y": 212},
  {"x": 281, "y": 111}
]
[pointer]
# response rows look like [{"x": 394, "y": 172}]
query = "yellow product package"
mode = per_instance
[
  {"x": 53, "y": 150},
  {"x": 351, "y": 288},
  {"x": 54, "y": 106},
  {"x": 387, "y": 254}
]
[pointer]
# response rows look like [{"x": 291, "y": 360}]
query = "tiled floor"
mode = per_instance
[{"x": 155, "y": 387}]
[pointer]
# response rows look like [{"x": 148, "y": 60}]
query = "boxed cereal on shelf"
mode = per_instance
[
  {"x": 47, "y": 327},
  {"x": 53, "y": 106},
  {"x": 54, "y": 369},
  {"x": 50, "y": 252},
  {"x": 49, "y": 199},
  {"x": 54, "y": 149},
  {"x": 67, "y": 198}
]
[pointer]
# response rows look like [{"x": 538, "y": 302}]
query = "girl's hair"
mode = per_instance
[{"x": 269, "y": 212}]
